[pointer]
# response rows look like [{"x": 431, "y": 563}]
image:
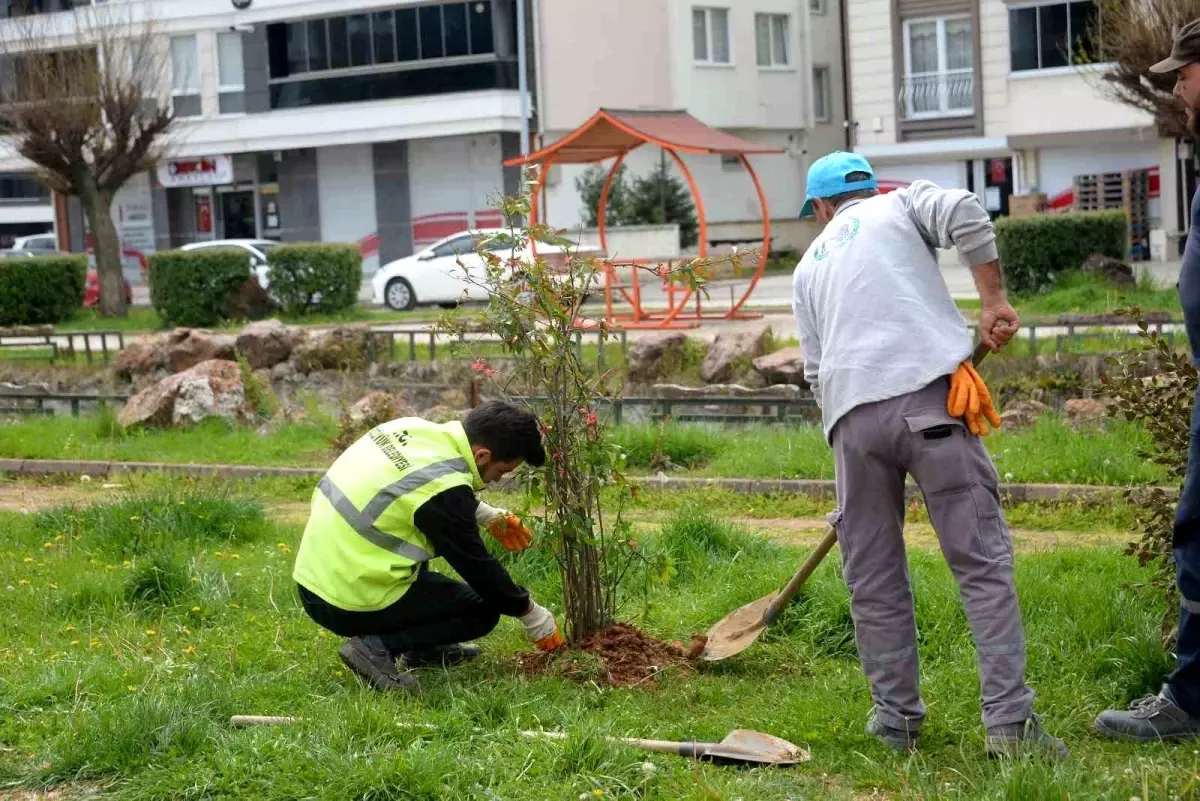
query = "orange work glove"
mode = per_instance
[
  {"x": 969, "y": 399},
  {"x": 541, "y": 628},
  {"x": 504, "y": 526}
]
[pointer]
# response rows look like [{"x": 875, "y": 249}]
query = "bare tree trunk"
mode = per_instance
[{"x": 106, "y": 244}]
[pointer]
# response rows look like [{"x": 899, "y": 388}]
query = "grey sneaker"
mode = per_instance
[
  {"x": 367, "y": 657},
  {"x": 1024, "y": 739},
  {"x": 441, "y": 655},
  {"x": 1155, "y": 717},
  {"x": 897, "y": 739}
]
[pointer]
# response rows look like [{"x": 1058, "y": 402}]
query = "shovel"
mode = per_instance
[
  {"x": 740, "y": 746},
  {"x": 738, "y": 630}
]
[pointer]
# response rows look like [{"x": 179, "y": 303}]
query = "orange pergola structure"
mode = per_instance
[{"x": 613, "y": 134}]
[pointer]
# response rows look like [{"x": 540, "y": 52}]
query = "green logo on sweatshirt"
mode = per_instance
[{"x": 845, "y": 232}]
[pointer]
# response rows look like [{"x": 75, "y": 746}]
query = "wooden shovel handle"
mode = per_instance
[{"x": 789, "y": 592}]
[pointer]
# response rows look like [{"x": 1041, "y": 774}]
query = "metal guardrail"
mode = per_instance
[
  {"x": 43, "y": 337},
  {"x": 781, "y": 410},
  {"x": 381, "y": 341},
  {"x": 35, "y": 403}
]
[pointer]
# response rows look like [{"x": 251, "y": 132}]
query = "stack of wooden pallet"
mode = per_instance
[{"x": 1128, "y": 191}]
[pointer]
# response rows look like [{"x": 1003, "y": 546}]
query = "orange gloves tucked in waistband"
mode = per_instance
[{"x": 969, "y": 398}]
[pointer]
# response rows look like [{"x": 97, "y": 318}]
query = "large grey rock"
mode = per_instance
[
  {"x": 210, "y": 389},
  {"x": 731, "y": 352},
  {"x": 782, "y": 367},
  {"x": 652, "y": 356},
  {"x": 267, "y": 343},
  {"x": 340, "y": 348},
  {"x": 1022, "y": 414},
  {"x": 1112, "y": 271},
  {"x": 1082, "y": 412},
  {"x": 174, "y": 352}
]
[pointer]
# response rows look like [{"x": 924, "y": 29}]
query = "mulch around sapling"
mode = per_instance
[{"x": 620, "y": 656}]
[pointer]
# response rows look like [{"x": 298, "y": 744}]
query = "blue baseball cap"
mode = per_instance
[{"x": 829, "y": 177}]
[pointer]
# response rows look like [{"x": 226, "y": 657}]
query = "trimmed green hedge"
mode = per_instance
[
  {"x": 311, "y": 277},
  {"x": 40, "y": 290},
  {"x": 193, "y": 287},
  {"x": 1033, "y": 250}
]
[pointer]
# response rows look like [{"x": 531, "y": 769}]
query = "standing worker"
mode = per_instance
[
  {"x": 397, "y": 498},
  {"x": 1174, "y": 714},
  {"x": 885, "y": 352}
]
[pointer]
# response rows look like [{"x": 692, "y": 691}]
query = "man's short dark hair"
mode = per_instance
[
  {"x": 846, "y": 197},
  {"x": 508, "y": 432}
]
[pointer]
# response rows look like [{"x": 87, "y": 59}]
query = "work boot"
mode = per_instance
[
  {"x": 367, "y": 657},
  {"x": 441, "y": 655},
  {"x": 1024, "y": 739},
  {"x": 1155, "y": 717},
  {"x": 897, "y": 739}
]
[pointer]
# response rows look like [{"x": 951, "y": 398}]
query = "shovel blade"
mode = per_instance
[
  {"x": 754, "y": 747},
  {"x": 737, "y": 631}
]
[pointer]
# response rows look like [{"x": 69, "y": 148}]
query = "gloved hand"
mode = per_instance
[
  {"x": 504, "y": 526},
  {"x": 969, "y": 398},
  {"x": 541, "y": 629}
]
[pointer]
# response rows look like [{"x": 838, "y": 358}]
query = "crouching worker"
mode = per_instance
[{"x": 397, "y": 498}]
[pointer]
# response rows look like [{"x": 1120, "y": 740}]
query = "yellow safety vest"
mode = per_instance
[{"x": 361, "y": 550}]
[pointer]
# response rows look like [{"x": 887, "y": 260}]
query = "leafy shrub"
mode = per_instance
[
  {"x": 45, "y": 289},
  {"x": 1034, "y": 250},
  {"x": 260, "y": 398},
  {"x": 1163, "y": 403},
  {"x": 193, "y": 287},
  {"x": 315, "y": 277}
]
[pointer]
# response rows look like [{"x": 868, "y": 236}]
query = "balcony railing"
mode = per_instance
[{"x": 939, "y": 94}]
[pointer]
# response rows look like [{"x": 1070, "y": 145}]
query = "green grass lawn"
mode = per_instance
[
  {"x": 1049, "y": 453},
  {"x": 135, "y": 630},
  {"x": 1078, "y": 293}
]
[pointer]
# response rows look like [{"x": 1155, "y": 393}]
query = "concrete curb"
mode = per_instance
[{"x": 811, "y": 488}]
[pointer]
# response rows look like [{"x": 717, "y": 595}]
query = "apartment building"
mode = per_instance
[
  {"x": 385, "y": 123},
  {"x": 998, "y": 97},
  {"x": 769, "y": 71}
]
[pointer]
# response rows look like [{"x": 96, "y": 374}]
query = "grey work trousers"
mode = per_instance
[{"x": 875, "y": 446}]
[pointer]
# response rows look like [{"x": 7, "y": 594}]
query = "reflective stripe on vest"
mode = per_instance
[{"x": 363, "y": 522}]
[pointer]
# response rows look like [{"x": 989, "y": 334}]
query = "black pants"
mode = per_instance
[
  {"x": 1184, "y": 683},
  {"x": 436, "y": 610}
]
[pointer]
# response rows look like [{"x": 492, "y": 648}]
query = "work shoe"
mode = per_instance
[
  {"x": 1155, "y": 717},
  {"x": 367, "y": 657},
  {"x": 1024, "y": 739},
  {"x": 441, "y": 655},
  {"x": 897, "y": 739}
]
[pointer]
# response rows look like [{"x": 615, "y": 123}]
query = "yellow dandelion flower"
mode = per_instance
[
  {"x": 69, "y": 628},
  {"x": 27, "y": 559},
  {"x": 235, "y": 556},
  {"x": 135, "y": 518},
  {"x": 234, "y": 606},
  {"x": 74, "y": 642},
  {"x": 338, "y": 673},
  {"x": 131, "y": 687},
  {"x": 94, "y": 643},
  {"x": 48, "y": 545},
  {"x": 191, "y": 649},
  {"x": 195, "y": 609},
  {"x": 151, "y": 632},
  {"x": 24, "y": 582},
  {"x": 53, "y": 586}
]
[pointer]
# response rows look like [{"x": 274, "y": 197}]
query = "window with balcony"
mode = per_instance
[
  {"x": 231, "y": 75},
  {"x": 1050, "y": 36},
  {"x": 185, "y": 76},
  {"x": 427, "y": 49},
  {"x": 710, "y": 36},
  {"x": 771, "y": 39},
  {"x": 939, "y": 68}
]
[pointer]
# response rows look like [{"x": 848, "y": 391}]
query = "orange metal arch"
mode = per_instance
[
  {"x": 766, "y": 246},
  {"x": 602, "y": 211}
]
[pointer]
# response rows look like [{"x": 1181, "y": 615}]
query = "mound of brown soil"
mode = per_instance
[{"x": 622, "y": 656}]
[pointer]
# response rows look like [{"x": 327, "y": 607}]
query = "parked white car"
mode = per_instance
[
  {"x": 256, "y": 249},
  {"x": 446, "y": 272},
  {"x": 37, "y": 243}
]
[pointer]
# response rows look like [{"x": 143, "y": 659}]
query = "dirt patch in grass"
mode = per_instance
[{"x": 620, "y": 656}]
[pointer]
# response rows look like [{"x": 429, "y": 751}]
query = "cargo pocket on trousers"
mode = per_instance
[
  {"x": 939, "y": 458},
  {"x": 995, "y": 540}
]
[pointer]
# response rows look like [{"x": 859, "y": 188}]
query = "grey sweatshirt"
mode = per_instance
[{"x": 875, "y": 317}]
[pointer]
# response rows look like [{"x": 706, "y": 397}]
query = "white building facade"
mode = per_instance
[
  {"x": 386, "y": 122},
  {"x": 999, "y": 97}
]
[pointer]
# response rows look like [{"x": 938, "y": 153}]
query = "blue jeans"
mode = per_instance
[{"x": 1184, "y": 684}]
